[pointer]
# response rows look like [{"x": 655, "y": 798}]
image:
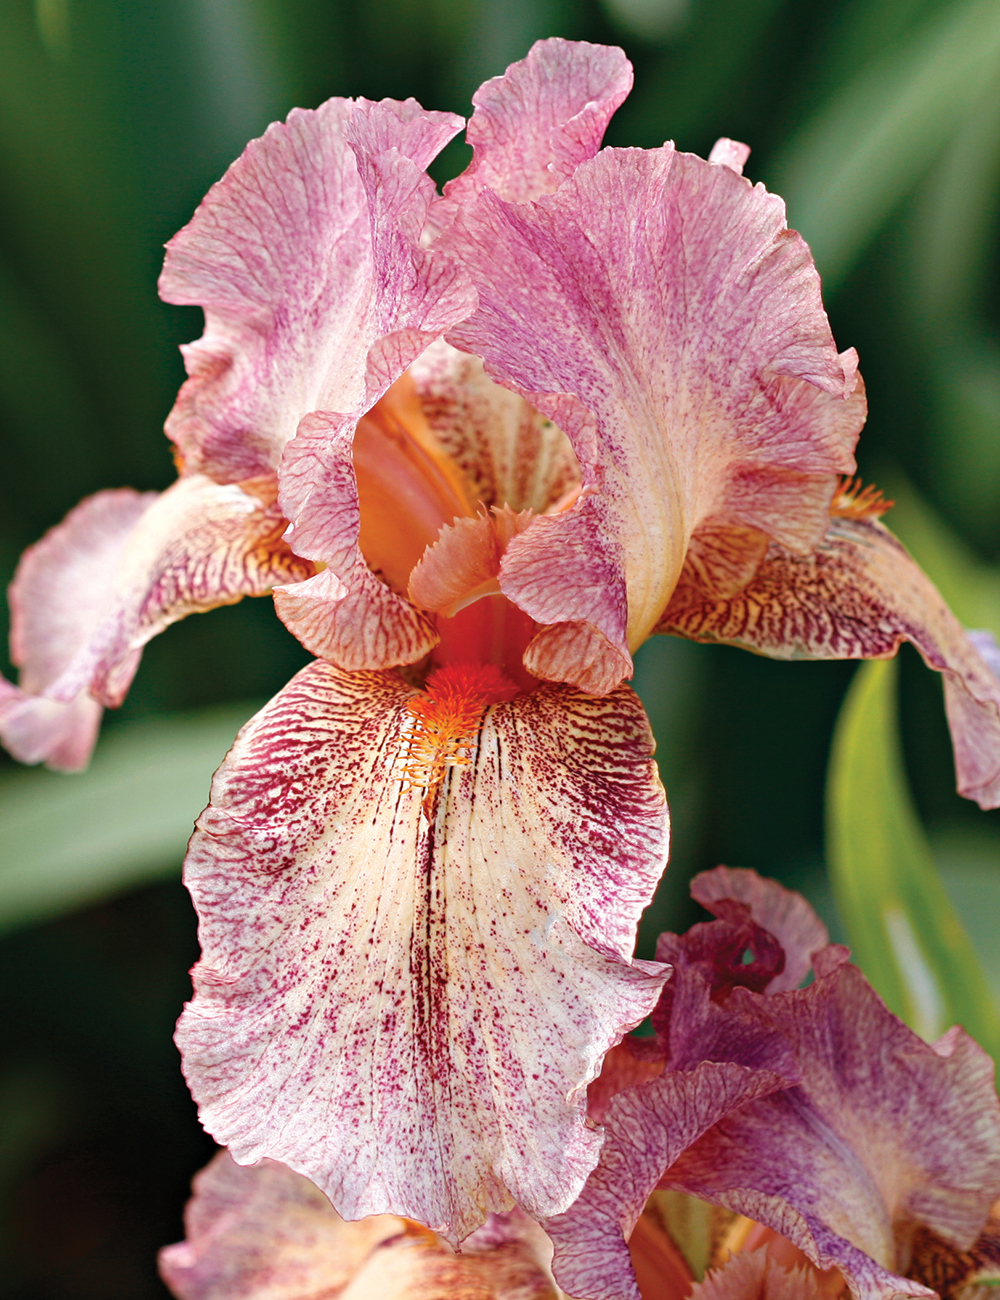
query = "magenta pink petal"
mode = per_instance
[
  {"x": 859, "y": 595},
  {"x": 409, "y": 1012},
  {"x": 659, "y": 311},
  {"x": 547, "y": 114}
]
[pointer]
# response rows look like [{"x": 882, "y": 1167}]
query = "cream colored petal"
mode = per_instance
[{"x": 409, "y": 1012}]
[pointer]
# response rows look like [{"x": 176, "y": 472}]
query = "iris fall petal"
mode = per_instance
[
  {"x": 119, "y": 569},
  {"x": 409, "y": 1012},
  {"x": 859, "y": 595}
]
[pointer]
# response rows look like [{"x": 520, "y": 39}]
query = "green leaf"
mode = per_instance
[
  {"x": 903, "y": 930},
  {"x": 66, "y": 841},
  {"x": 868, "y": 146}
]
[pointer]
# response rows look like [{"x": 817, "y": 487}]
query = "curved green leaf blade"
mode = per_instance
[
  {"x": 66, "y": 841},
  {"x": 845, "y": 171},
  {"x": 900, "y": 923}
]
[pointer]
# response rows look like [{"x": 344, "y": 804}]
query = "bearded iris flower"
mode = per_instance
[
  {"x": 856, "y": 1153},
  {"x": 481, "y": 446}
]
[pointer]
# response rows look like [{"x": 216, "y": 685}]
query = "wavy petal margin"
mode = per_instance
[
  {"x": 859, "y": 595},
  {"x": 119, "y": 569},
  {"x": 266, "y": 1233},
  {"x": 533, "y": 126},
  {"x": 306, "y": 259},
  {"x": 783, "y": 912},
  {"x": 883, "y": 1132},
  {"x": 657, "y": 308},
  {"x": 409, "y": 1013}
]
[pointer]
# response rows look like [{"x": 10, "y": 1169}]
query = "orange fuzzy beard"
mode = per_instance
[
  {"x": 446, "y": 718},
  {"x": 852, "y": 501}
]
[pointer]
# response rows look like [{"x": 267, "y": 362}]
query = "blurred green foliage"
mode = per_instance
[{"x": 879, "y": 121}]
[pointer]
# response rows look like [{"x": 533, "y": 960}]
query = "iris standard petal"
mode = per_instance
[
  {"x": 295, "y": 255},
  {"x": 859, "y": 595},
  {"x": 409, "y": 1011},
  {"x": 534, "y": 125},
  {"x": 658, "y": 310}
]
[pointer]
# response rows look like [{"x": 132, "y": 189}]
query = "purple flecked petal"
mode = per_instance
[
  {"x": 647, "y": 1128},
  {"x": 547, "y": 114},
  {"x": 781, "y": 912},
  {"x": 882, "y": 1131},
  {"x": 859, "y": 595},
  {"x": 316, "y": 295},
  {"x": 659, "y": 311},
  {"x": 409, "y": 1012}
]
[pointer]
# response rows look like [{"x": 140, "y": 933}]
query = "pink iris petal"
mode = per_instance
[
  {"x": 408, "y": 1012},
  {"x": 659, "y": 311},
  {"x": 315, "y": 295},
  {"x": 859, "y": 595},
  {"x": 58, "y": 598},
  {"x": 547, "y": 114},
  {"x": 871, "y": 1133},
  {"x": 266, "y": 1233},
  {"x": 119, "y": 569}
]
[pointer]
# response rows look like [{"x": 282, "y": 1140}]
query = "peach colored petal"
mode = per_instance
[
  {"x": 510, "y": 453},
  {"x": 659, "y": 311},
  {"x": 534, "y": 125},
  {"x": 757, "y": 1275},
  {"x": 316, "y": 295},
  {"x": 409, "y": 1012},
  {"x": 465, "y": 561},
  {"x": 265, "y": 1233},
  {"x": 722, "y": 558},
  {"x": 859, "y": 595}
]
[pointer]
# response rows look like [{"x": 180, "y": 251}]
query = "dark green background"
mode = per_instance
[{"x": 115, "y": 116}]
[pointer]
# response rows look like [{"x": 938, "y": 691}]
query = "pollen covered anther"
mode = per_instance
[
  {"x": 852, "y": 501},
  {"x": 446, "y": 717}
]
